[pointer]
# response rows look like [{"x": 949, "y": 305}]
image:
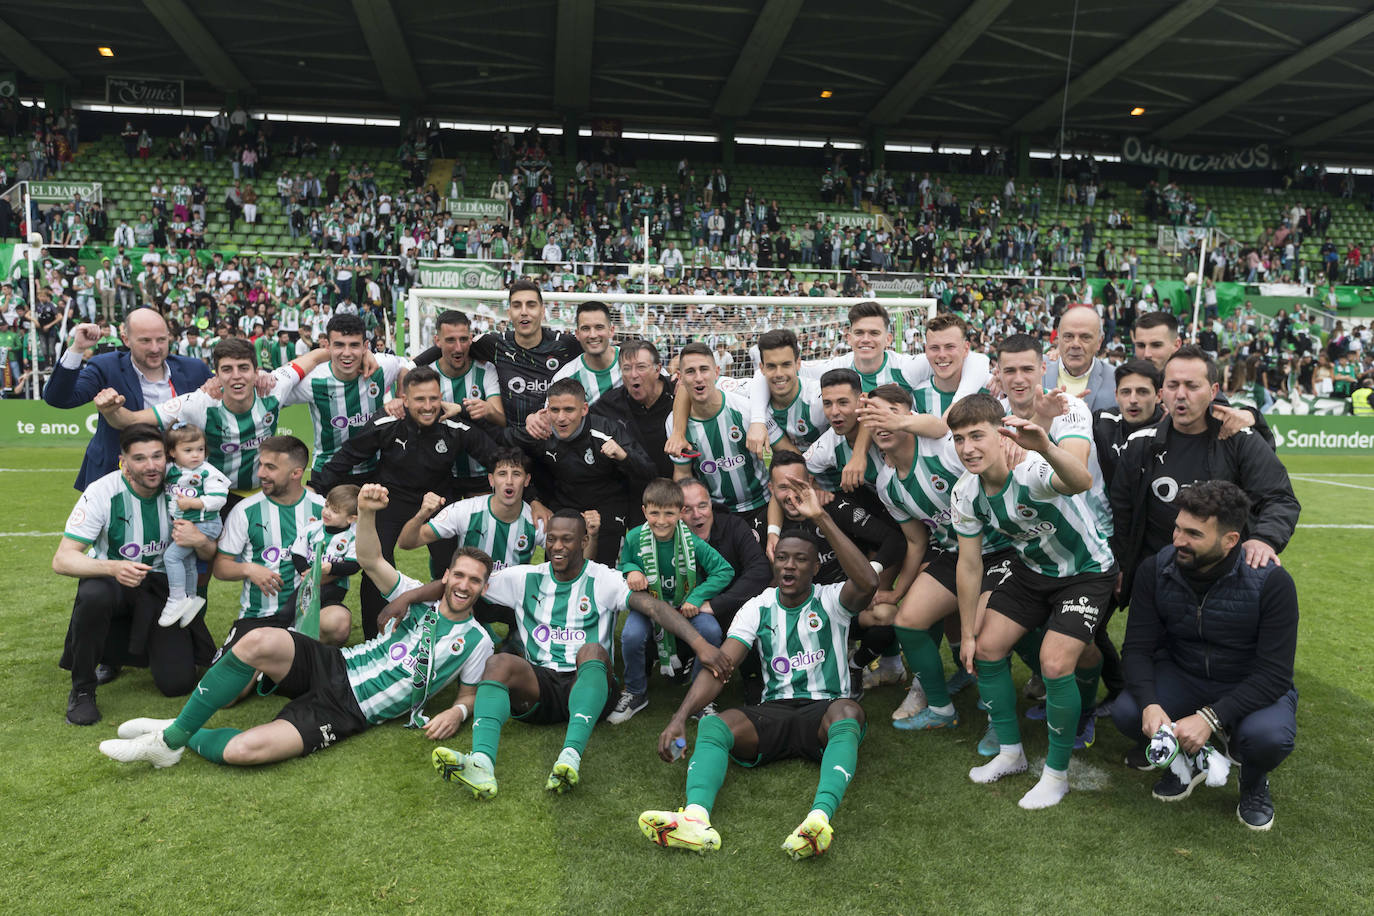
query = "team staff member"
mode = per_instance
[
  {"x": 144, "y": 374},
  {"x": 583, "y": 465},
  {"x": 526, "y": 355},
  {"x": 413, "y": 455},
  {"x": 1138, "y": 385},
  {"x": 1183, "y": 448},
  {"x": 113, "y": 542},
  {"x": 1209, "y": 646},
  {"x": 643, "y": 401},
  {"x": 1076, "y": 367}
]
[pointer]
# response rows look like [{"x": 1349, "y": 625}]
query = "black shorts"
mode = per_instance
[
  {"x": 554, "y": 687},
  {"x": 244, "y": 625},
  {"x": 756, "y": 519},
  {"x": 944, "y": 564},
  {"x": 1074, "y": 605},
  {"x": 331, "y": 593},
  {"x": 787, "y": 729},
  {"x": 324, "y": 709}
]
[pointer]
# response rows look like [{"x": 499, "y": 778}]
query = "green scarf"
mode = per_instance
[
  {"x": 684, "y": 581},
  {"x": 424, "y": 667},
  {"x": 308, "y": 592}
]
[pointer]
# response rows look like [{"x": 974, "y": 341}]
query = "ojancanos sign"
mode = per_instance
[
  {"x": 141, "y": 90},
  {"x": 1252, "y": 158}
]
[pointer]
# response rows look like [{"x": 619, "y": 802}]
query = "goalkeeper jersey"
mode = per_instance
[
  {"x": 260, "y": 530},
  {"x": 118, "y": 524},
  {"x": 558, "y": 618},
  {"x": 472, "y": 522},
  {"x": 803, "y": 649},
  {"x": 735, "y": 477},
  {"x": 383, "y": 671}
]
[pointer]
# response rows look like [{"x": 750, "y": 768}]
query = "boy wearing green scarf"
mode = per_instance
[{"x": 664, "y": 558}]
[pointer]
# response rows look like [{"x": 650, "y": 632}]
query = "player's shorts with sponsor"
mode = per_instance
[
  {"x": 554, "y": 688},
  {"x": 1074, "y": 605},
  {"x": 944, "y": 564},
  {"x": 324, "y": 709},
  {"x": 787, "y": 729}
]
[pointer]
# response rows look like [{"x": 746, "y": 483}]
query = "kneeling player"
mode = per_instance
[
  {"x": 336, "y": 692},
  {"x": 1063, "y": 578},
  {"x": 802, "y": 633},
  {"x": 566, "y": 610}
]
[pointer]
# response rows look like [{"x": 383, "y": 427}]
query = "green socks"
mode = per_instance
[
  {"x": 211, "y": 742},
  {"x": 923, "y": 657},
  {"x": 221, "y": 685},
  {"x": 999, "y": 695},
  {"x": 1088, "y": 679},
  {"x": 710, "y": 757},
  {"x": 585, "y": 702},
  {"x": 1062, "y": 706},
  {"x": 838, "y": 763},
  {"x": 1028, "y": 648},
  {"x": 490, "y": 711}
]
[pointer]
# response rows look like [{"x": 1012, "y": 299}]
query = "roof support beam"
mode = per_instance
[
  {"x": 27, "y": 57},
  {"x": 198, "y": 44},
  {"x": 938, "y": 58},
  {"x": 572, "y": 57},
  {"x": 756, "y": 58},
  {"x": 386, "y": 41},
  {"x": 1117, "y": 62},
  {"x": 1332, "y": 127},
  {"x": 1266, "y": 79}
]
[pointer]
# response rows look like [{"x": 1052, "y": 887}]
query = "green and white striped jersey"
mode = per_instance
[
  {"x": 596, "y": 381},
  {"x": 338, "y": 407},
  {"x": 259, "y": 530},
  {"x": 556, "y": 618},
  {"x": 804, "y": 650},
  {"x": 333, "y": 546},
  {"x": 1055, "y": 535},
  {"x": 803, "y": 420},
  {"x": 203, "y": 482},
  {"x": 828, "y": 455},
  {"x": 471, "y": 521},
  {"x": 382, "y": 671},
  {"x": 924, "y": 493},
  {"x": 931, "y": 400},
  {"x": 231, "y": 439},
  {"x": 479, "y": 381},
  {"x": 118, "y": 524},
  {"x": 735, "y": 477},
  {"x": 1077, "y": 423}
]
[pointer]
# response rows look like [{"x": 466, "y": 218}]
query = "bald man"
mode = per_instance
[
  {"x": 143, "y": 373},
  {"x": 1075, "y": 366}
]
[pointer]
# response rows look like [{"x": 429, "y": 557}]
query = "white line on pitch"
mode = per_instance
[
  {"x": 1332, "y": 483},
  {"x": 30, "y": 534}
]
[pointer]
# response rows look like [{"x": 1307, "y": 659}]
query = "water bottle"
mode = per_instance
[{"x": 679, "y": 748}]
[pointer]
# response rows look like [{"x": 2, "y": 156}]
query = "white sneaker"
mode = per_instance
[
  {"x": 189, "y": 609},
  {"x": 135, "y": 727},
  {"x": 888, "y": 670},
  {"x": 913, "y": 702},
  {"x": 148, "y": 747},
  {"x": 171, "y": 611}
]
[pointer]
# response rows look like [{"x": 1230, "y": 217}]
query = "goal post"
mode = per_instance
[{"x": 668, "y": 320}]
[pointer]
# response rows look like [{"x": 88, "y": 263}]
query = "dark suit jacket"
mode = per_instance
[{"x": 69, "y": 388}]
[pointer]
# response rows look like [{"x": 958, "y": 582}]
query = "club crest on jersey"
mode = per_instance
[
  {"x": 457, "y": 646},
  {"x": 441, "y": 447},
  {"x": 373, "y": 390},
  {"x": 735, "y": 433},
  {"x": 522, "y": 542},
  {"x": 802, "y": 428},
  {"x": 267, "y": 418},
  {"x": 813, "y": 621},
  {"x": 474, "y": 392},
  {"x": 589, "y": 457},
  {"x": 938, "y": 483},
  {"x": 551, "y": 363},
  {"x": 584, "y": 604},
  {"x": 1024, "y": 511}
]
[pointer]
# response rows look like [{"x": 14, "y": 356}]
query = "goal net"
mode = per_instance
[{"x": 729, "y": 324}]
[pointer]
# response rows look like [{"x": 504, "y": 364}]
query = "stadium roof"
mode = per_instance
[{"x": 1208, "y": 73}]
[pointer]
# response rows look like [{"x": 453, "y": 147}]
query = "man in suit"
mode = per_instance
[
  {"x": 1075, "y": 366},
  {"x": 144, "y": 374}
]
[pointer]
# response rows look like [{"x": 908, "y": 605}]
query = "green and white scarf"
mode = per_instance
[{"x": 684, "y": 581}]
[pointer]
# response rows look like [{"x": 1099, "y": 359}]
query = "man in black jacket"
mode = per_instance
[
  {"x": 584, "y": 465},
  {"x": 415, "y": 455},
  {"x": 1209, "y": 648},
  {"x": 643, "y": 402},
  {"x": 1138, "y": 385},
  {"x": 734, "y": 540},
  {"x": 1186, "y": 447}
]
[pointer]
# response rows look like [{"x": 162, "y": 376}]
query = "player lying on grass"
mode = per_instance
[
  {"x": 334, "y": 692},
  {"x": 802, "y": 633},
  {"x": 566, "y": 610}
]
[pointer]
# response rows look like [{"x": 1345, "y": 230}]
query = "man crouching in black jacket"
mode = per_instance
[
  {"x": 589, "y": 462},
  {"x": 1209, "y": 647}
]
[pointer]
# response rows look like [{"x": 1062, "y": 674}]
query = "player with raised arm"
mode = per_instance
[
  {"x": 566, "y": 609},
  {"x": 1062, "y": 579},
  {"x": 801, "y": 632},
  {"x": 336, "y": 693}
]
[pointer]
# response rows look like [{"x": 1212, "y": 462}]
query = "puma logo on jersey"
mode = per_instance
[
  {"x": 847, "y": 775},
  {"x": 401, "y": 443}
]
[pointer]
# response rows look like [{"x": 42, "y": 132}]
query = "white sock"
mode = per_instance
[
  {"x": 1048, "y": 792},
  {"x": 946, "y": 710},
  {"x": 1010, "y": 761},
  {"x": 482, "y": 760},
  {"x": 697, "y": 812}
]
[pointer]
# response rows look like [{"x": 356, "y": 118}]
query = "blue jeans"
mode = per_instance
[
  {"x": 181, "y": 561},
  {"x": 638, "y": 636},
  {"x": 1260, "y": 741}
]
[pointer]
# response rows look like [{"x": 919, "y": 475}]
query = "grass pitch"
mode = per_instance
[{"x": 368, "y": 827}]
